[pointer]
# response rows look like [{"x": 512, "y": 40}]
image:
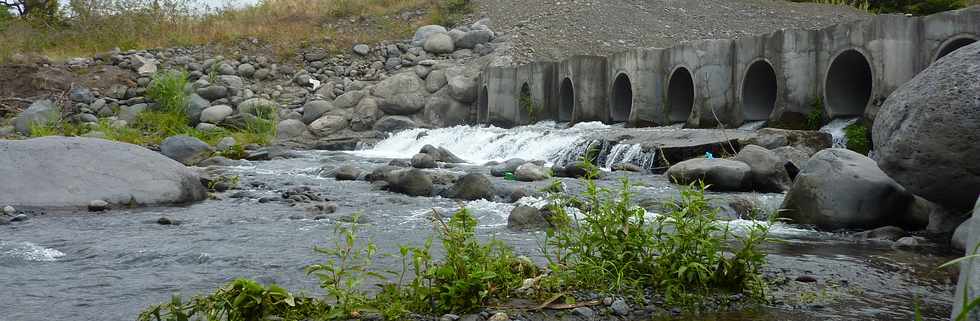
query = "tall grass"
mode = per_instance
[{"x": 93, "y": 26}]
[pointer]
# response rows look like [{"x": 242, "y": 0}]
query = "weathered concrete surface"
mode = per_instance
[
  {"x": 848, "y": 70},
  {"x": 69, "y": 173}
]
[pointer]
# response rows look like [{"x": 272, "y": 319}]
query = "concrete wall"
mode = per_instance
[{"x": 847, "y": 69}]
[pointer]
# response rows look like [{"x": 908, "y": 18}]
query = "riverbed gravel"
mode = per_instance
[{"x": 556, "y": 29}]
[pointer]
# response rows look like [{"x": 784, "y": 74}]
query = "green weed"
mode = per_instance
[
  {"x": 814, "y": 119},
  {"x": 241, "y": 300},
  {"x": 858, "y": 138}
]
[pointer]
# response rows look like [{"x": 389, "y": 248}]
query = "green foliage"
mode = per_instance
[
  {"x": 5, "y": 19},
  {"x": 450, "y": 13},
  {"x": 814, "y": 119},
  {"x": 527, "y": 104},
  {"x": 858, "y": 138},
  {"x": 241, "y": 300},
  {"x": 167, "y": 89},
  {"x": 345, "y": 269},
  {"x": 615, "y": 247}
]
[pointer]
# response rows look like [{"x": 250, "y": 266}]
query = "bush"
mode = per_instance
[
  {"x": 450, "y": 13},
  {"x": 240, "y": 300},
  {"x": 814, "y": 120},
  {"x": 858, "y": 138},
  {"x": 615, "y": 247}
]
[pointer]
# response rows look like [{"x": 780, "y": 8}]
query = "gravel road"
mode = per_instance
[{"x": 555, "y": 29}]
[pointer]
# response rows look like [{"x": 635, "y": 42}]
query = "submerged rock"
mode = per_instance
[
  {"x": 411, "y": 182},
  {"x": 74, "y": 171},
  {"x": 472, "y": 187}
]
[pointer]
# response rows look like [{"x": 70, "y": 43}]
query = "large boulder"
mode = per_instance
[
  {"x": 401, "y": 94},
  {"x": 411, "y": 182},
  {"x": 185, "y": 149},
  {"x": 290, "y": 128},
  {"x": 441, "y": 154},
  {"x": 927, "y": 131},
  {"x": 508, "y": 166},
  {"x": 719, "y": 174},
  {"x": 470, "y": 39},
  {"x": 807, "y": 141},
  {"x": 462, "y": 88},
  {"x": 329, "y": 124},
  {"x": 839, "y": 188},
  {"x": 768, "y": 170},
  {"x": 439, "y": 43},
  {"x": 423, "y": 161},
  {"x": 422, "y": 33},
  {"x": 314, "y": 109},
  {"x": 41, "y": 112},
  {"x": 472, "y": 187},
  {"x": 970, "y": 268},
  {"x": 528, "y": 218},
  {"x": 390, "y": 124},
  {"x": 530, "y": 172},
  {"x": 442, "y": 110},
  {"x": 75, "y": 171},
  {"x": 365, "y": 115}
]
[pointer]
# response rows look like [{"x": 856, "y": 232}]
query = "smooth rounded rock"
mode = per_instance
[
  {"x": 719, "y": 174},
  {"x": 216, "y": 114},
  {"x": 185, "y": 149}
]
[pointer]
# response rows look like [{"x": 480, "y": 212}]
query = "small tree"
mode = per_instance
[{"x": 44, "y": 10}]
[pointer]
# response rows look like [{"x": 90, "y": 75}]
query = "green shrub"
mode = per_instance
[
  {"x": 615, "y": 247},
  {"x": 240, "y": 300},
  {"x": 814, "y": 119},
  {"x": 858, "y": 138},
  {"x": 345, "y": 269},
  {"x": 450, "y": 13},
  {"x": 167, "y": 89}
]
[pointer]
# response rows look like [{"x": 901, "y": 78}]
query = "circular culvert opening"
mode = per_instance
[
  {"x": 847, "y": 89},
  {"x": 680, "y": 95},
  {"x": 566, "y": 100},
  {"x": 525, "y": 102},
  {"x": 622, "y": 99},
  {"x": 483, "y": 106},
  {"x": 759, "y": 91},
  {"x": 953, "y": 45}
]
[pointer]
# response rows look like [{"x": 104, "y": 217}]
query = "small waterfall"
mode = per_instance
[
  {"x": 753, "y": 125},
  {"x": 836, "y": 129},
  {"x": 631, "y": 153},
  {"x": 481, "y": 144}
]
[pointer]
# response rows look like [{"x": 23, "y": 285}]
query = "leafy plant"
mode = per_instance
[
  {"x": 240, "y": 300},
  {"x": 858, "y": 138},
  {"x": 167, "y": 89},
  {"x": 346, "y": 267},
  {"x": 814, "y": 119}
]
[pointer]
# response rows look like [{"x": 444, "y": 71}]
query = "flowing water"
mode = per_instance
[
  {"x": 110, "y": 266},
  {"x": 836, "y": 130}
]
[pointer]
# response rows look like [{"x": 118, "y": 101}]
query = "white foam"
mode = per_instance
[
  {"x": 30, "y": 252},
  {"x": 836, "y": 130}
]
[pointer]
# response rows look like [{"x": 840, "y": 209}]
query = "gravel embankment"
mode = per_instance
[{"x": 555, "y": 29}]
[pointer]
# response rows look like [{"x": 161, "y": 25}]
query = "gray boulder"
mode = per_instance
[
  {"x": 365, "y": 114},
  {"x": 720, "y": 174},
  {"x": 462, "y": 88},
  {"x": 195, "y": 106},
  {"x": 441, "y": 110},
  {"x": 411, "y": 182},
  {"x": 213, "y": 92},
  {"x": 246, "y": 70},
  {"x": 390, "y": 124},
  {"x": 314, "y": 109},
  {"x": 926, "y": 132},
  {"x": 528, "y": 218},
  {"x": 435, "y": 80},
  {"x": 81, "y": 95},
  {"x": 768, "y": 170},
  {"x": 401, "y": 94},
  {"x": 439, "y": 43},
  {"x": 441, "y": 154},
  {"x": 423, "y": 161},
  {"x": 508, "y": 166},
  {"x": 470, "y": 39},
  {"x": 185, "y": 149},
  {"x": 329, "y": 124},
  {"x": 290, "y": 128},
  {"x": 422, "y": 33},
  {"x": 349, "y": 99},
  {"x": 472, "y": 187},
  {"x": 74, "y": 171},
  {"x": 41, "y": 112},
  {"x": 793, "y": 155},
  {"x": 361, "y": 49},
  {"x": 347, "y": 173},
  {"x": 131, "y": 113},
  {"x": 530, "y": 172},
  {"x": 216, "y": 114},
  {"x": 839, "y": 188}
]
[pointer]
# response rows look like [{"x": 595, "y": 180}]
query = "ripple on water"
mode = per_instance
[{"x": 27, "y": 251}]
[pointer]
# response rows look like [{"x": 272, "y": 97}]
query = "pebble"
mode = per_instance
[
  {"x": 620, "y": 307},
  {"x": 499, "y": 316},
  {"x": 584, "y": 312},
  {"x": 806, "y": 279},
  {"x": 165, "y": 221},
  {"x": 449, "y": 317}
]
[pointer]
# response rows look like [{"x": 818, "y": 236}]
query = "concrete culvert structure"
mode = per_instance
[
  {"x": 680, "y": 95},
  {"x": 847, "y": 88},
  {"x": 759, "y": 90},
  {"x": 622, "y": 99},
  {"x": 952, "y": 45},
  {"x": 526, "y": 103},
  {"x": 566, "y": 100},
  {"x": 483, "y": 106}
]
